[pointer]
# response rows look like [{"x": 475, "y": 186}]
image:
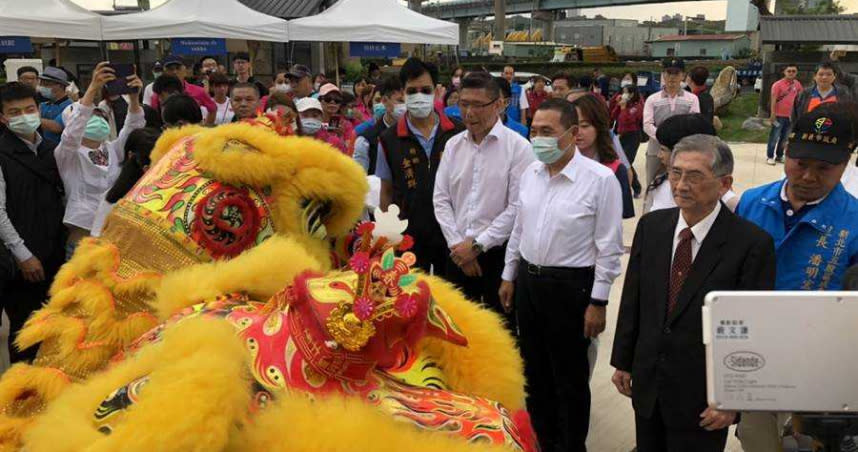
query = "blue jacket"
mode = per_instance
[
  {"x": 513, "y": 110},
  {"x": 453, "y": 112},
  {"x": 520, "y": 128},
  {"x": 819, "y": 249}
]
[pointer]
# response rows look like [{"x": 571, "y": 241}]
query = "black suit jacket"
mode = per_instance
[{"x": 665, "y": 354}]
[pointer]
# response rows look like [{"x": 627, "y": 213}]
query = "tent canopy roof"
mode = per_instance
[
  {"x": 389, "y": 21},
  {"x": 48, "y": 19},
  {"x": 196, "y": 19}
]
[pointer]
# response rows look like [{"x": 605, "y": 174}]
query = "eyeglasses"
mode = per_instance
[
  {"x": 332, "y": 100},
  {"x": 465, "y": 106},
  {"x": 423, "y": 90},
  {"x": 691, "y": 177}
]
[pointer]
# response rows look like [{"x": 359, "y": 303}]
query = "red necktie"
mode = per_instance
[{"x": 680, "y": 268}]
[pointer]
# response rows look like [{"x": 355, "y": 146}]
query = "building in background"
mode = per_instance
[
  {"x": 742, "y": 16},
  {"x": 724, "y": 46},
  {"x": 626, "y": 36}
]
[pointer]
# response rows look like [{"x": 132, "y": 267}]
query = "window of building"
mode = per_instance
[
  {"x": 671, "y": 51},
  {"x": 702, "y": 52}
]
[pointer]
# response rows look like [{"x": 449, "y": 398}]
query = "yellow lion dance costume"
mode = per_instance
[{"x": 153, "y": 338}]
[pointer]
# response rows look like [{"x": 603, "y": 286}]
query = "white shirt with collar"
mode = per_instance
[
  {"x": 574, "y": 219},
  {"x": 699, "y": 231},
  {"x": 477, "y": 186}
]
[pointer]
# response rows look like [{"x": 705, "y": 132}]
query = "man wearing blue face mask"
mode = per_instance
[
  {"x": 52, "y": 86},
  {"x": 88, "y": 163},
  {"x": 31, "y": 210},
  {"x": 563, "y": 255},
  {"x": 392, "y": 109},
  {"x": 408, "y": 157}
]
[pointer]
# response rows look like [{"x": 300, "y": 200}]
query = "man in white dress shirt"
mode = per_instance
[
  {"x": 476, "y": 191},
  {"x": 563, "y": 256}
]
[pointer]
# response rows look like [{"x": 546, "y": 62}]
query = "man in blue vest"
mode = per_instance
[
  {"x": 813, "y": 221},
  {"x": 366, "y": 144},
  {"x": 517, "y": 108},
  {"x": 506, "y": 93}
]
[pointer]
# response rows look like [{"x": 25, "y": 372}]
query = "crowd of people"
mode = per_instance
[{"x": 515, "y": 193}]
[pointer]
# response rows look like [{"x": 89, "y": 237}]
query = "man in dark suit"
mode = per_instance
[
  {"x": 31, "y": 210},
  {"x": 678, "y": 256}
]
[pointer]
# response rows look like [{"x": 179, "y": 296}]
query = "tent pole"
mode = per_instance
[
  {"x": 57, "y": 53},
  {"x": 337, "y": 61}
]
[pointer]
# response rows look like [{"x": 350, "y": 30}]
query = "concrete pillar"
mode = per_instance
[
  {"x": 464, "y": 25},
  {"x": 500, "y": 20},
  {"x": 547, "y": 18}
]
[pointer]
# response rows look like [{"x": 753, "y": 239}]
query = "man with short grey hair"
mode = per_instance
[{"x": 659, "y": 359}]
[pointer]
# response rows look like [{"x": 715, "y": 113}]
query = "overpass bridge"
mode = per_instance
[{"x": 466, "y": 9}]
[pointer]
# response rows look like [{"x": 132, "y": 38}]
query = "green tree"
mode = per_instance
[{"x": 822, "y": 7}]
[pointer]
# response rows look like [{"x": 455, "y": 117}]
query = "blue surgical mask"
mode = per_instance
[
  {"x": 46, "y": 92},
  {"x": 546, "y": 149},
  {"x": 311, "y": 126},
  {"x": 399, "y": 111},
  {"x": 378, "y": 110},
  {"x": 97, "y": 129}
]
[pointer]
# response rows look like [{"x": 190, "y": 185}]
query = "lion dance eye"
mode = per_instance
[{"x": 226, "y": 222}]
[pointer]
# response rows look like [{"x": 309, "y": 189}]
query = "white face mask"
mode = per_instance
[
  {"x": 282, "y": 88},
  {"x": 419, "y": 105},
  {"x": 311, "y": 126},
  {"x": 399, "y": 111},
  {"x": 625, "y": 83}
]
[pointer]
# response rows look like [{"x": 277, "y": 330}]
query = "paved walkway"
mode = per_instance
[{"x": 612, "y": 427}]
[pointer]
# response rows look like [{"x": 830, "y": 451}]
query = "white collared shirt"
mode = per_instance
[
  {"x": 86, "y": 182},
  {"x": 699, "y": 231},
  {"x": 476, "y": 187},
  {"x": 574, "y": 219}
]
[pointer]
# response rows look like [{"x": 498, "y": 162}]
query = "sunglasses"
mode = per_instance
[
  {"x": 332, "y": 100},
  {"x": 423, "y": 90}
]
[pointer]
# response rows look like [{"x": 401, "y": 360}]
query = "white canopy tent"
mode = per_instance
[
  {"x": 48, "y": 19},
  {"x": 196, "y": 19},
  {"x": 373, "y": 21}
]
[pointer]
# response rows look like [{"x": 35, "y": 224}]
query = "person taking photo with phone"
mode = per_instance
[{"x": 87, "y": 161}]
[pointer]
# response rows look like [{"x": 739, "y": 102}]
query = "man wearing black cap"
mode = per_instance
[
  {"x": 299, "y": 77},
  {"x": 670, "y": 101},
  {"x": 52, "y": 86},
  {"x": 244, "y": 72},
  {"x": 813, "y": 221}
]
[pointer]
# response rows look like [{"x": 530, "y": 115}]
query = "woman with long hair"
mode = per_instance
[
  {"x": 594, "y": 141},
  {"x": 627, "y": 112}
]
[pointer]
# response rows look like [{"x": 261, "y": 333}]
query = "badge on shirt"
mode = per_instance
[{"x": 98, "y": 157}]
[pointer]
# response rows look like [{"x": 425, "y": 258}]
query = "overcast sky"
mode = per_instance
[{"x": 714, "y": 9}]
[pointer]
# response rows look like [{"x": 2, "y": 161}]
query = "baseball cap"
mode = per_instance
[
  {"x": 55, "y": 74},
  {"x": 673, "y": 65},
  {"x": 328, "y": 88},
  {"x": 241, "y": 56},
  {"x": 675, "y": 128},
  {"x": 308, "y": 103},
  {"x": 299, "y": 71},
  {"x": 825, "y": 133},
  {"x": 173, "y": 59}
]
